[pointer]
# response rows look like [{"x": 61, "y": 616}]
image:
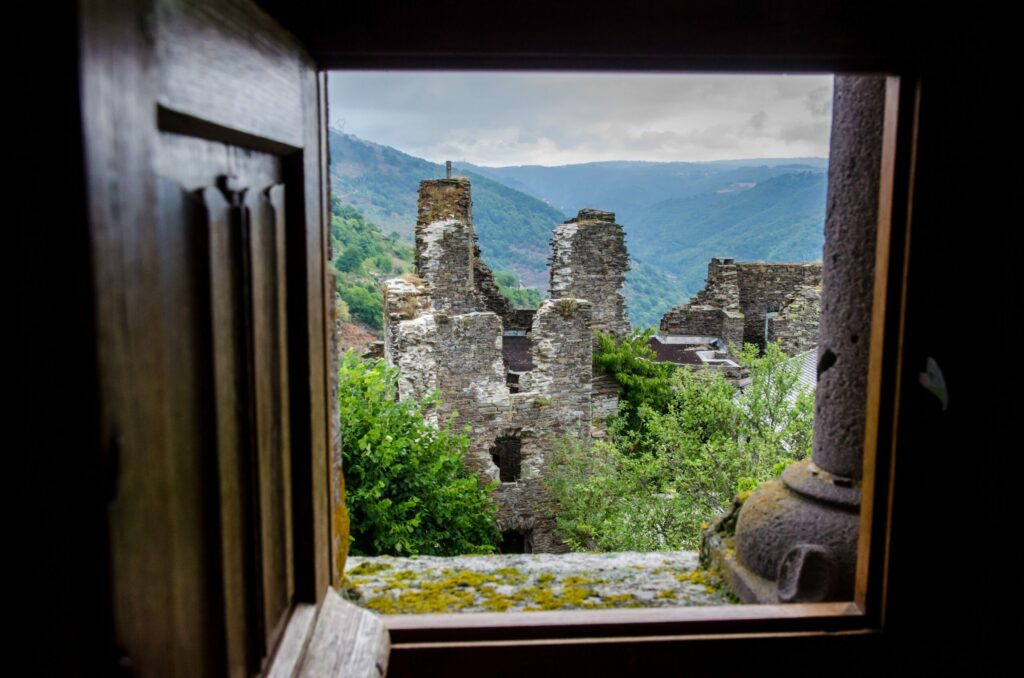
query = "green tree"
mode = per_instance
[
  {"x": 655, "y": 485},
  {"x": 643, "y": 381},
  {"x": 406, "y": 488}
]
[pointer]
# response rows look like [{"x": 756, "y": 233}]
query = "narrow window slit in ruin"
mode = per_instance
[{"x": 507, "y": 456}]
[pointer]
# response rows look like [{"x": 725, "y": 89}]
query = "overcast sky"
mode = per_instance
[{"x": 499, "y": 119}]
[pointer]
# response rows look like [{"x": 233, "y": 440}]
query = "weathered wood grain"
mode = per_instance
[
  {"x": 293, "y": 643},
  {"x": 347, "y": 641},
  {"x": 210, "y": 52}
]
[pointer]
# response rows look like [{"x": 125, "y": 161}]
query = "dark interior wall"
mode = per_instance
[{"x": 59, "y": 476}]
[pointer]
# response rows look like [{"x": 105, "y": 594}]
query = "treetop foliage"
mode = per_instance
[{"x": 685, "y": 445}]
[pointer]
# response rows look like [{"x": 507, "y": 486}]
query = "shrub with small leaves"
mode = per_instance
[{"x": 406, "y": 488}]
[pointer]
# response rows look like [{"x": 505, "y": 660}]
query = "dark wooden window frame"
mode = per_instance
[{"x": 430, "y": 638}]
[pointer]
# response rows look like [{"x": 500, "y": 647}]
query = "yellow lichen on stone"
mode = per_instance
[{"x": 369, "y": 567}]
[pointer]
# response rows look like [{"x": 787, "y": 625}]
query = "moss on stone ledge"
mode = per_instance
[{"x": 494, "y": 584}]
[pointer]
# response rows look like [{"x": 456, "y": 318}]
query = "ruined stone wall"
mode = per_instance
[
  {"x": 410, "y": 338},
  {"x": 796, "y": 326},
  {"x": 446, "y": 327},
  {"x": 604, "y": 403},
  {"x": 703, "y": 321},
  {"x": 589, "y": 261},
  {"x": 487, "y": 290},
  {"x": 471, "y": 378},
  {"x": 764, "y": 287},
  {"x": 712, "y": 312},
  {"x": 460, "y": 355},
  {"x": 557, "y": 405},
  {"x": 737, "y": 297}
]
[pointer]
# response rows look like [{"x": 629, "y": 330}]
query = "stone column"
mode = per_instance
[{"x": 796, "y": 538}]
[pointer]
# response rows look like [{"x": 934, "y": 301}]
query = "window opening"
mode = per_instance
[
  {"x": 507, "y": 456},
  {"x": 454, "y": 320}
]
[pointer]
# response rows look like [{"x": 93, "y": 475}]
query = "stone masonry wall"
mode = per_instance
[
  {"x": 712, "y": 312},
  {"x": 492, "y": 298},
  {"x": 410, "y": 336},
  {"x": 460, "y": 355},
  {"x": 796, "y": 326},
  {"x": 448, "y": 255},
  {"x": 589, "y": 261},
  {"x": 445, "y": 329},
  {"x": 765, "y": 287},
  {"x": 471, "y": 378},
  {"x": 558, "y": 404}
]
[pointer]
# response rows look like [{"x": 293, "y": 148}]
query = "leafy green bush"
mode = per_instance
[
  {"x": 643, "y": 381},
  {"x": 407, "y": 490},
  {"x": 654, "y": 486}
]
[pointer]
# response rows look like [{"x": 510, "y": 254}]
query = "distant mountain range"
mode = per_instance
[{"x": 676, "y": 215}]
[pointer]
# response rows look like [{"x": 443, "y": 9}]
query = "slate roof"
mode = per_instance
[{"x": 680, "y": 354}]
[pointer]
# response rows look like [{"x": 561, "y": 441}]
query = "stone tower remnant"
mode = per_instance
[{"x": 589, "y": 260}]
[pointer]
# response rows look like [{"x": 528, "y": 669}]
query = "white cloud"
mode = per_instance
[{"x": 559, "y": 118}]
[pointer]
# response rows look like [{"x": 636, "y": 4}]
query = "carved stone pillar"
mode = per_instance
[{"x": 795, "y": 538}]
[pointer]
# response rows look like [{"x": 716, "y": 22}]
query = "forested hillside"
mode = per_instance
[
  {"x": 364, "y": 257},
  {"x": 781, "y": 219},
  {"x": 514, "y": 228}
]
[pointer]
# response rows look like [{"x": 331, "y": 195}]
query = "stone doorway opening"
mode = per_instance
[{"x": 516, "y": 541}]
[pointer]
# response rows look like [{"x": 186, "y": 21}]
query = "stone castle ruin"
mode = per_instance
[
  {"x": 523, "y": 379},
  {"x": 519, "y": 379}
]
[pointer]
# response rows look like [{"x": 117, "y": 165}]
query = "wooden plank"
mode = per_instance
[
  {"x": 276, "y": 198},
  {"x": 308, "y": 354},
  {"x": 886, "y": 361},
  {"x": 338, "y": 516},
  {"x": 319, "y": 296},
  {"x": 347, "y": 641},
  {"x": 293, "y": 642},
  {"x": 211, "y": 51},
  {"x": 621, "y": 623},
  {"x": 117, "y": 90},
  {"x": 851, "y": 653},
  {"x": 752, "y": 35},
  {"x": 195, "y": 162}
]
